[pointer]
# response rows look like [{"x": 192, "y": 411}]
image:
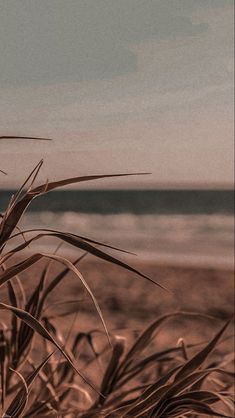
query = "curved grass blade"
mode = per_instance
[
  {"x": 102, "y": 255},
  {"x": 25, "y": 334},
  {"x": 3, "y": 359},
  {"x": 19, "y": 402},
  {"x": 187, "y": 405},
  {"x": 146, "y": 337},
  {"x": 51, "y": 286},
  {"x": 19, "y": 208},
  {"x": 106, "y": 385},
  {"x": 14, "y": 323},
  {"x": 47, "y": 187},
  {"x": 24, "y": 137},
  {"x": 59, "y": 234},
  {"x": 33, "y": 175},
  {"x": 41, "y": 330},
  {"x": 19, "y": 407},
  {"x": 200, "y": 357},
  {"x": 22, "y": 266},
  {"x": 154, "y": 398},
  {"x": 18, "y": 268}
]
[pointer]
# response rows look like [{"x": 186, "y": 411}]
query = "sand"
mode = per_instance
[{"x": 129, "y": 303}]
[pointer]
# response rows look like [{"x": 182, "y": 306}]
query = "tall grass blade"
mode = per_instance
[
  {"x": 3, "y": 359},
  {"x": 98, "y": 253},
  {"x": 22, "y": 396},
  {"x": 24, "y": 137},
  {"x": 41, "y": 330},
  {"x": 22, "y": 266},
  {"x": 18, "y": 407},
  {"x": 73, "y": 239},
  {"x": 199, "y": 358},
  {"x": 18, "y": 209},
  {"x": 106, "y": 385}
]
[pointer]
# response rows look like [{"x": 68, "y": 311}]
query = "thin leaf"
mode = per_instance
[
  {"x": 14, "y": 216},
  {"x": 200, "y": 357},
  {"x": 106, "y": 385},
  {"x": 22, "y": 396},
  {"x": 145, "y": 338},
  {"x": 18, "y": 407},
  {"x": 3, "y": 358},
  {"x": 41, "y": 330},
  {"x": 24, "y": 137},
  {"x": 98, "y": 253},
  {"x": 68, "y": 237},
  {"x": 8, "y": 274},
  {"x": 51, "y": 286}
]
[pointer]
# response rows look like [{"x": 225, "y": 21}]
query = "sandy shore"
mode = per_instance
[
  {"x": 129, "y": 302},
  {"x": 201, "y": 289}
]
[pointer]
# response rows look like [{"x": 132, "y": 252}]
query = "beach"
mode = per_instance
[
  {"x": 129, "y": 302},
  {"x": 187, "y": 292},
  {"x": 191, "y": 255}
]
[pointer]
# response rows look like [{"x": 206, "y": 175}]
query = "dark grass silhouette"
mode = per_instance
[{"x": 44, "y": 374}]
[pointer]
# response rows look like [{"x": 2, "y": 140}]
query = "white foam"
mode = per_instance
[{"x": 201, "y": 239}]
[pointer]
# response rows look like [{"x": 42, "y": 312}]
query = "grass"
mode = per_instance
[{"x": 45, "y": 374}]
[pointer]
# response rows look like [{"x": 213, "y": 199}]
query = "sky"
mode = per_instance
[{"x": 120, "y": 86}]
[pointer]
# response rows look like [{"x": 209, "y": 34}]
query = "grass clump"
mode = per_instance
[{"x": 45, "y": 374}]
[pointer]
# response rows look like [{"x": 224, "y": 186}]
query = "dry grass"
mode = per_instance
[{"x": 94, "y": 374}]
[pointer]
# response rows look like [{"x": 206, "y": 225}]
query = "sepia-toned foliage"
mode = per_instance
[{"x": 45, "y": 374}]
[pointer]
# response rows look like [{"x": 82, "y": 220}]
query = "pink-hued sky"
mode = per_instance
[{"x": 121, "y": 86}]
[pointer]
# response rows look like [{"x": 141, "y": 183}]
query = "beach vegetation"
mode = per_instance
[{"x": 45, "y": 372}]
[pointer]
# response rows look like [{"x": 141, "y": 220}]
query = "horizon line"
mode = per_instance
[{"x": 142, "y": 187}]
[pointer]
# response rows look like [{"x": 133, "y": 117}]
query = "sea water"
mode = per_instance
[{"x": 178, "y": 226}]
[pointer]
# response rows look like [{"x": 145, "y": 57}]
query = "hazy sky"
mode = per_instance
[{"x": 121, "y": 85}]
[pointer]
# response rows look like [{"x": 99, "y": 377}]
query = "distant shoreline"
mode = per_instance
[{"x": 151, "y": 201}]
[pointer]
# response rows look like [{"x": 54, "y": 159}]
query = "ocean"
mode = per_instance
[{"x": 165, "y": 226}]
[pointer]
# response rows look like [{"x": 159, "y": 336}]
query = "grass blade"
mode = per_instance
[
  {"x": 199, "y": 358},
  {"x": 18, "y": 404},
  {"x": 19, "y": 208},
  {"x": 22, "y": 266},
  {"x": 41, "y": 330},
  {"x": 24, "y": 137}
]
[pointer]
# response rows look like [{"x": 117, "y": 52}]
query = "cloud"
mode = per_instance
[{"x": 77, "y": 40}]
